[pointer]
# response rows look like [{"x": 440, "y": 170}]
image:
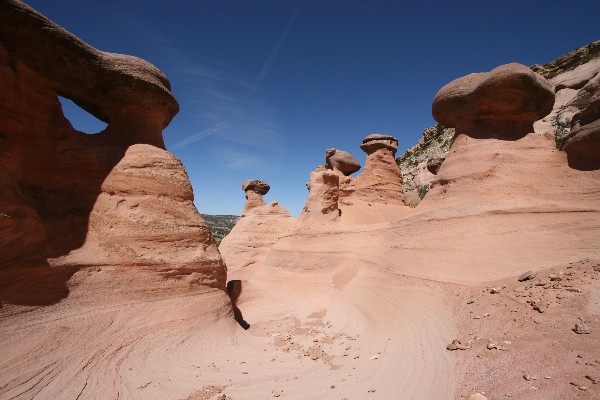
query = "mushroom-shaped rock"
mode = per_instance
[
  {"x": 130, "y": 94},
  {"x": 341, "y": 161},
  {"x": 381, "y": 179},
  {"x": 503, "y": 103},
  {"x": 378, "y": 141},
  {"x": 117, "y": 198},
  {"x": 582, "y": 144},
  {"x": 260, "y": 187},
  {"x": 322, "y": 202},
  {"x": 255, "y": 189}
]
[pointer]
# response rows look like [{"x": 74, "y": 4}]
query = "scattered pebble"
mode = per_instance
[
  {"x": 494, "y": 345},
  {"x": 526, "y": 276},
  {"x": 458, "y": 345},
  {"x": 540, "y": 306},
  {"x": 276, "y": 393},
  {"x": 477, "y": 396},
  {"x": 495, "y": 290},
  {"x": 371, "y": 391},
  {"x": 581, "y": 329}
]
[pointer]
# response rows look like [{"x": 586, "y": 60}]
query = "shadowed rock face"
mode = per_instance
[
  {"x": 503, "y": 103},
  {"x": 582, "y": 144},
  {"x": 73, "y": 200},
  {"x": 435, "y": 164},
  {"x": 255, "y": 189}
]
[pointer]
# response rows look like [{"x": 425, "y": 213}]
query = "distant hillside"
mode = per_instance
[{"x": 220, "y": 225}]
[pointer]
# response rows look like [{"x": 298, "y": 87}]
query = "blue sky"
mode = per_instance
[{"x": 265, "y": 87}]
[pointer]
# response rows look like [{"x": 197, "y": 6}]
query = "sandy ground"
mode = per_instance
[{"x": 363, "y": 309}]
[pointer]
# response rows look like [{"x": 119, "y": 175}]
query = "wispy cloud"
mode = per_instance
[
  {"x": 218, "y": 104},
  {"x": 235, "y": 159},
  {"x": 273, "y": 55}
]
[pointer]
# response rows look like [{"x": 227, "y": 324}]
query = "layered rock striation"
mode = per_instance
[
  {"x": 72, "y": 200},
  {"x": 381, "y": 180},
  {"x": 250, "y": 240},
  {"x": 322, "y": 203},
  {"x": 582, "y": 143}
]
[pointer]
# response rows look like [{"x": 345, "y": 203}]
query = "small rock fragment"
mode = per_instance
[
  {"x": 494, "y": 345},
  {"x": 526, "y": 276},
  {"x": 477, "y": 396},
  {"x": 579, "y": 385},
  {"x": 495, "y": 290},
  {"x": 595, "y": 379},
  {"x": 457, "y": 345},
  {"x": 539, "y": 306},
  {"x": 276, "y": 393},
  {"x": 581, "y": 329},
  {"x": 371, "y": 391}
]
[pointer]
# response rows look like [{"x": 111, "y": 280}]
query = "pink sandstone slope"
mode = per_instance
[{"x": 112, "y": 287}]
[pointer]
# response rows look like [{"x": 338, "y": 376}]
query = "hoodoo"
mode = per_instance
[
  {"x": 71, "y": 200},
  {"x": 381, "y": 179},
  {"x": 255, "y": 190},
  {"x": 251, "y": 238}
]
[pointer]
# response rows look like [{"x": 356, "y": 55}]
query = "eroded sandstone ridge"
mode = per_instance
[
  {"x": 322, "y": 203},
  {"x": 69, "y": 200},
  {"x": 250, "y": 240}
]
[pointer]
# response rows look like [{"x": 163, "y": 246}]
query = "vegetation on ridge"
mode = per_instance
[{"x": 220, "y": 225}]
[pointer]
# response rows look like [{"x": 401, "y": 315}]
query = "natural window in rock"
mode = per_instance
[{"x": 81, "y": 120}]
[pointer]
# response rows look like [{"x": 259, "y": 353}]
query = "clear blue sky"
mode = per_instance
[{"x": 265, "y": 87}]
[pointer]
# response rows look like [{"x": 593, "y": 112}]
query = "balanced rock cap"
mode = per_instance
[
  {"x": 376, "y": 141},
  {"x": 342, "y": 161},
  {"x": 503, "y": 103},
  {"x": 258, "y": 186}
]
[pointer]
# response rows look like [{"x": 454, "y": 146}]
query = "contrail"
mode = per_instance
[
  {"x": 273, "y": 55},
  {"x": 199, "y": 136}
]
